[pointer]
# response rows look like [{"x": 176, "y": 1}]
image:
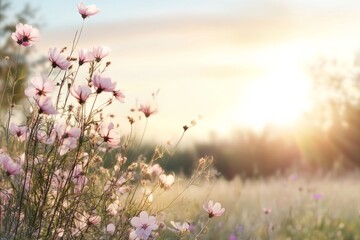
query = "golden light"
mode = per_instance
[{"x": 280, "y": 98}]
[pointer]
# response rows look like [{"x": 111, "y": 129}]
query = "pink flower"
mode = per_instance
[
  {"x": 20, "y": 132},
  {"x": 317, "y": 196},
  {"x": 180, "y": 228},
  {"x": 9, "y": 165},
  {"x": 119, "y": 95},
  {"x": 81, "y": 93},
  {"x": 25, "y": 34},
  {"x": 87, "y": 11},
  {"x": 94, "y": 220},
  {"x": 110, "y": 228},
  {"x": 144, "y": 225},
  {"x": 214, "y": 210},
  {"x": 46, "y": 106},
  {"x": 114, "y": 208},
  {"x": 103, "y": 84},
  {"x": 65, "y": 131},
  {"x": 57, "y": 60},
  {"x": 85, "y": 56},
  {"x": 80, "y": 224},
  {"x": 68, "y": 135},
  {"x": 166, "y": 181},
  {"x": 100, "y": 52},
  {"x": 266, "y": 210},
  {"x": 67, "y": 144},
  {"x": 39, "y": 86},
  {"x": 147, "y": 109},
  {"x": 110, "y": 135},
  {"x": 155, "y": 169},
  {"x": 59, "y": 179},
  {"x": 79, "y": 178}
]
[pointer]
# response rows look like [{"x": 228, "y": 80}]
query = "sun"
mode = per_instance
[{"x": 278, "y": 98}]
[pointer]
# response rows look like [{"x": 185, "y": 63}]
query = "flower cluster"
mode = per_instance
[{"x": 54, "y": 183}]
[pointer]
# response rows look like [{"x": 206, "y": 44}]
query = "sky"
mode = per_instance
[{"x": 233, "y": 62}]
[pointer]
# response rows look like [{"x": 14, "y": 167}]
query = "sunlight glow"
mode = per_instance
[{"x": 279, "y": 98}]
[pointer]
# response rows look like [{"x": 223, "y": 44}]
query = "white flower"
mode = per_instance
[
  {"x": 214, "y": 210},
  {"x": 181, "y": 228},
  {"x": 144, "y": 225},
  {"x": 166, "y": 181}
]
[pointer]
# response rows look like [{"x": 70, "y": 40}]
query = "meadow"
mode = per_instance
[
  {"x": 284, "y": 208},
  {"x": 70, "y": 170}
]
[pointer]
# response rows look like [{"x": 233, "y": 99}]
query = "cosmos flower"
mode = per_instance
[
  {"x": 144, "y": 225},
  {"x": 10, "y": 166},
  {"x": 81, "y": 93},
  {"x": 25, "y": 34},
  {"x": 154, "y": 170},
  {"x": 180, "y": 228},
  {"x": 119, "y": 95},
  {"x": 20, "y": 132},
  {"x": 58, "y": 60},
  {"x": 147, "y": 109},
  {"x": 87, "y": 11},
  {"x": 39, "y": 87},
  {"x": 166, "y": 181},
  {"x": 45, "y": 106},
  {"x": 110, "y": 228},
  {"x": 100, "y": 52},
  {"x": 109, "y": 134},
  {"x": 317, "y": 196},
  {"x": 103, "y": 84},
  {"x": 266, "y": 210},
  {"x": 85, "y": 56},
  {"x": 214, "y": 210}
]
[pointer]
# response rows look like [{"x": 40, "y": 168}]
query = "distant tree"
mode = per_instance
[{"x": 335, "y": 119}]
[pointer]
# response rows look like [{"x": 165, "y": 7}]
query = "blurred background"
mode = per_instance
[{"x": 274, "y": 85}]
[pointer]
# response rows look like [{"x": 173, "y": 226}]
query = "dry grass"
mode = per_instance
[{"x": 295, "y": 211}]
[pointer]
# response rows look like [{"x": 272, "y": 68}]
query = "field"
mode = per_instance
[{"x": 277, "y": 208}]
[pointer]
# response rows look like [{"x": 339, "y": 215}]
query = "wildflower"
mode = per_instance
[
  {"x": 57, "y": 60},
  {"x": 79, "y": 178},
  {"x": 110, "y": 228},
  {"x": 114, "y": 208},
  {"x": 20, "y": 132},
  {"x": 81, "y": 93},
  {"x": 233, "y": 237},
  {"x": 59, "y": 179},
  {"x": 180, "y": 228},
  {"x": 25, "y": 34},
  {"x": 147, "y": 109},
  {"x": 110, "y": 135},
  {"x": 317, "y": 196},
  {"x": 100, "y": 52},
  {"x": 94, "y": 220},
  {"x": 155, "y": 170},
  {"x": 119, "y": 95},
  {"x": 65, "y": 131},
  {"x": 39, "y": 87},
  {"x": 103, "y": 84},
  {"x": 266, "y": 210},
  {"x": 87, "y": 11},
  {"x": 85, "y": 56},
  {"x": 80, "y": 224},
  {"x": 214, "y": 210},
  {"x": 60, "y": 232},
  {"x": 9, "y": 165},
  {"x": 166, "y": 181},
  {"x": 144, "y": 225},
  {"x": 45, "y": 106}
]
